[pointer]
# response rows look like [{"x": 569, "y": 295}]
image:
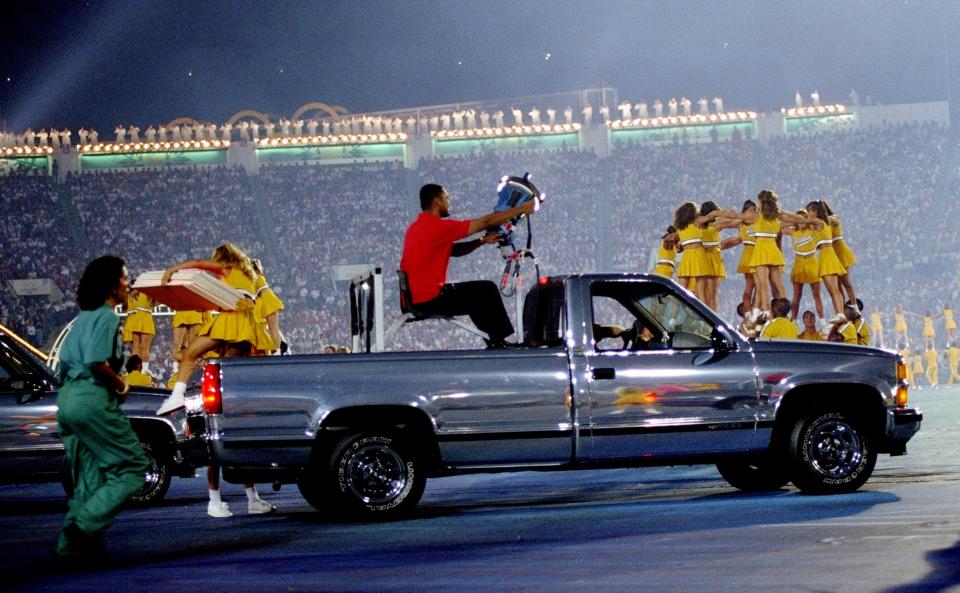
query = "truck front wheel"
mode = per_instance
[
  {"x": 377, "y": 474},
  {"x": 830, "y": 452}
]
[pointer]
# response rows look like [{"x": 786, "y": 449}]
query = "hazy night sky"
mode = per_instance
[{"x": 98, "y": 63}]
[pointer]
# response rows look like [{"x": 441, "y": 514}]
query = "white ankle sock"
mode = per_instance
[
  {"x": 146, "y": 368},
  {"x": 176, "y": 366},
  {"x": 252, "y": 494},
  {"x": 215, "y": 496}
]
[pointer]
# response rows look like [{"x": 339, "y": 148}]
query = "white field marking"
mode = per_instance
[{"x": 855, "y": 524}]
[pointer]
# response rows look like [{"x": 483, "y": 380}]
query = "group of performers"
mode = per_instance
[
  {"x": 139, "y": 327},
  {"x": 821, "y": 256}
]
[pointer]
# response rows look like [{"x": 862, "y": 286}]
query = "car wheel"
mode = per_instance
[
  {"x": 754, "y": 475},
  {"x": 830, "y": 452},
  {"x": 377, "y": 474},
  {"x": 157, "y": 479}
]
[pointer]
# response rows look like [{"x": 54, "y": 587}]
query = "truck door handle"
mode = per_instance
[{"x": 603, "y": 373}]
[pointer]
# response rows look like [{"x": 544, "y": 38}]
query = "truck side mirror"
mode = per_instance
[{"x": 721, "y": 341}]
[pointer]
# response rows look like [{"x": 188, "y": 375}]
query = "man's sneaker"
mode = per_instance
[
  {"x": 259, "y": 507},
  {"x": 219, "y": 510},
  {"x": 173, "y": 402}
]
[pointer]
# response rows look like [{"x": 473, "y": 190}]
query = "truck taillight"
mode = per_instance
[{"x": 210, "y": 388}]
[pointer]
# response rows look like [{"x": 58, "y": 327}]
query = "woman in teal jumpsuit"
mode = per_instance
[{"x": 107, "y": 464}]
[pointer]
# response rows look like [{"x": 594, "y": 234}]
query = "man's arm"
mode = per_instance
[
  {"x": 497, "y": 218},
  {"x": 467, "y": 247}
]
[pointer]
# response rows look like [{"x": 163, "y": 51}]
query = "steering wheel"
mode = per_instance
[{"x": 631, "y": 337}]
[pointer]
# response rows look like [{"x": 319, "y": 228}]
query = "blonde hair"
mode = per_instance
[{"x": 230, "y": 255}]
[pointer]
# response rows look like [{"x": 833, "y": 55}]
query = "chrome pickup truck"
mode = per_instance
[
  {"x": 614, "y": 370},
  {"x": 30, "y": 447}
]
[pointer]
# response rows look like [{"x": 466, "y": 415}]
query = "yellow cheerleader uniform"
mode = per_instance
[
  {"x": 181, "y": 318},
  {"x": 863, "y": 332},
  {"x": 266, "y": 304},
  {"x": 933, "y": 375},
  {"x": 693, "y": 262},
  {"x": 948, "y": 320},
  {"x": 876, "y": 324},
  {"x": 234, "y": 326},
  {"x": 928, "y": 327},
  {"x": 953, "y": 355},
  {"x": 917, "y": 364},
  {"x": 138, "y": 378},
  {"x": 666, "y": 261},
  {"x": 140, "y": 317},
  {"x": 766, "y": 252},
  {"x": 711, "y": 244},
  {"x": 900, "y": 321},
  {"x": 844, "y": 253},
  {"x": 806, "y": 268},
  {"x": 748, "y": 241},
  {"x": 829, "y": 263}
]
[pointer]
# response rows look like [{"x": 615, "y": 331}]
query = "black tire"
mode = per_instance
[
  {"x": 375, "y": 474},
  {"x": 830, "y": 452},
  {"x": 157, "y": 479},
  {"x": 754, "y": 475}
]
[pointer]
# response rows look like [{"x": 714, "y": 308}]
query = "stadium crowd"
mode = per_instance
[{"x": 890, "y": 185}]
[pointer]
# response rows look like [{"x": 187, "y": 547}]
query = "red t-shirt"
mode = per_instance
[{"x": 426, "y": 253}]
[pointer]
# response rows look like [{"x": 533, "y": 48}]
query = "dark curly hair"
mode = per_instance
[{"x": 99, "y": 279}]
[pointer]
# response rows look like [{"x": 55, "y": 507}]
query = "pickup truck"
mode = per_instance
[
  {"x": 614, "y": 370},
  {"x": 30, "y": 447}
]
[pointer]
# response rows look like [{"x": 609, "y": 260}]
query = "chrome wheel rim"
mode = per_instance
[
  {"x": 835, "y": 449},
  {"x": 151, "y": 477},
  {"x": 375, "y": 474}
]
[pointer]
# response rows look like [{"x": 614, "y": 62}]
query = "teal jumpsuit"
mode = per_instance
[{"x": 106, "y": 462}]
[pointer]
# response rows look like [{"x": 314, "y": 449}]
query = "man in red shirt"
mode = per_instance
[{"x": 429, "y": 243}]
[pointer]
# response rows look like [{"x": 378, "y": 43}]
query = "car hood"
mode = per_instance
[{"x": 821, "y": 348}]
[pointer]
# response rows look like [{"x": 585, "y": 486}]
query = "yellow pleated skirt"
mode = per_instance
[
  {"x": 844, "y": 254},
  {"x": 766, "y": 253},
  {"x": 231, "y": 326},
  {"x": 806, "y": 270},
  {"x": 829, "y": 262},
  {"x": 181, "y": 318},
  {"x": 694, "y": 264},
  {"x": 746, "y": 256},
  {"x": 138, "y": 322}
]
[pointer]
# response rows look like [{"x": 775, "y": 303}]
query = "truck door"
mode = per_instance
[
  {"x": 664, "y": 378},
  {"x": 29, "y": 439}
]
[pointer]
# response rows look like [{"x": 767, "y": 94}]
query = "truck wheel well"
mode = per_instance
[
  {"x": 409, "y": 422},
  {"x": 157, "y": 434},
  {"x": 860, "y": 400}
]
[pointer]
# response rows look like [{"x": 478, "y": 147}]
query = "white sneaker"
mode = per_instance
[
  {"x": 219, "y": 510},
  {"x": 838, "y": 318},
  {"x": 173, "y": 402},
  {"x": 259, "y": 507}
]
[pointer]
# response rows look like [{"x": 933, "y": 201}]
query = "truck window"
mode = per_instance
[{"x": 645, "y": 316}]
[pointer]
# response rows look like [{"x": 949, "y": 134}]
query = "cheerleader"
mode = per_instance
[
  {"x": 876, "y": 326},
  {"x": 953, "y": 358},
  {"x": 949, "y": 324},
  {"x": 710, "y": 237},
  {"x": 139, "y": 327},
  {"x": 266, "y": 312},
  {"x": 667, "y": 254},
  {"x": 844, "y": 253},
  {"x": 767, "y": 259},
  {"x": 806, "y": 269},
  {"x": 693, "y": 264},
  {"x": 830, "y": 267},
  {"x": 933, "y": 374},
  {"x": 747, "y": 240},
  {"x": 929, "y": 334},
  {"x": 900, "y": 325}
]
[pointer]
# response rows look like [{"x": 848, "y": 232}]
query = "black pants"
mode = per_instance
[{"x": 480, "y": 299}]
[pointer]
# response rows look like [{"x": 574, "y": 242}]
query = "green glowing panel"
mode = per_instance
[
  {"x": 819, "y": 123},
  {"x": 341, "y": 153},
  {"x": 25, "y": 164},
  {"x": 506, "y": 143},
  {"x": 152, "y": 159},
  {"x": 706, "y": 133}
]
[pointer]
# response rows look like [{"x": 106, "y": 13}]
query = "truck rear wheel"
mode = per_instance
[
  {"x": 830, "y": 452},
  {"x": 375, "y": 474},
  {"x": 157, "y": 479},
  {"x": 753, "y": 475}
]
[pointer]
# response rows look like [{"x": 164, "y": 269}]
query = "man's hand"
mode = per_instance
[{"x": 490, "y": 237}]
